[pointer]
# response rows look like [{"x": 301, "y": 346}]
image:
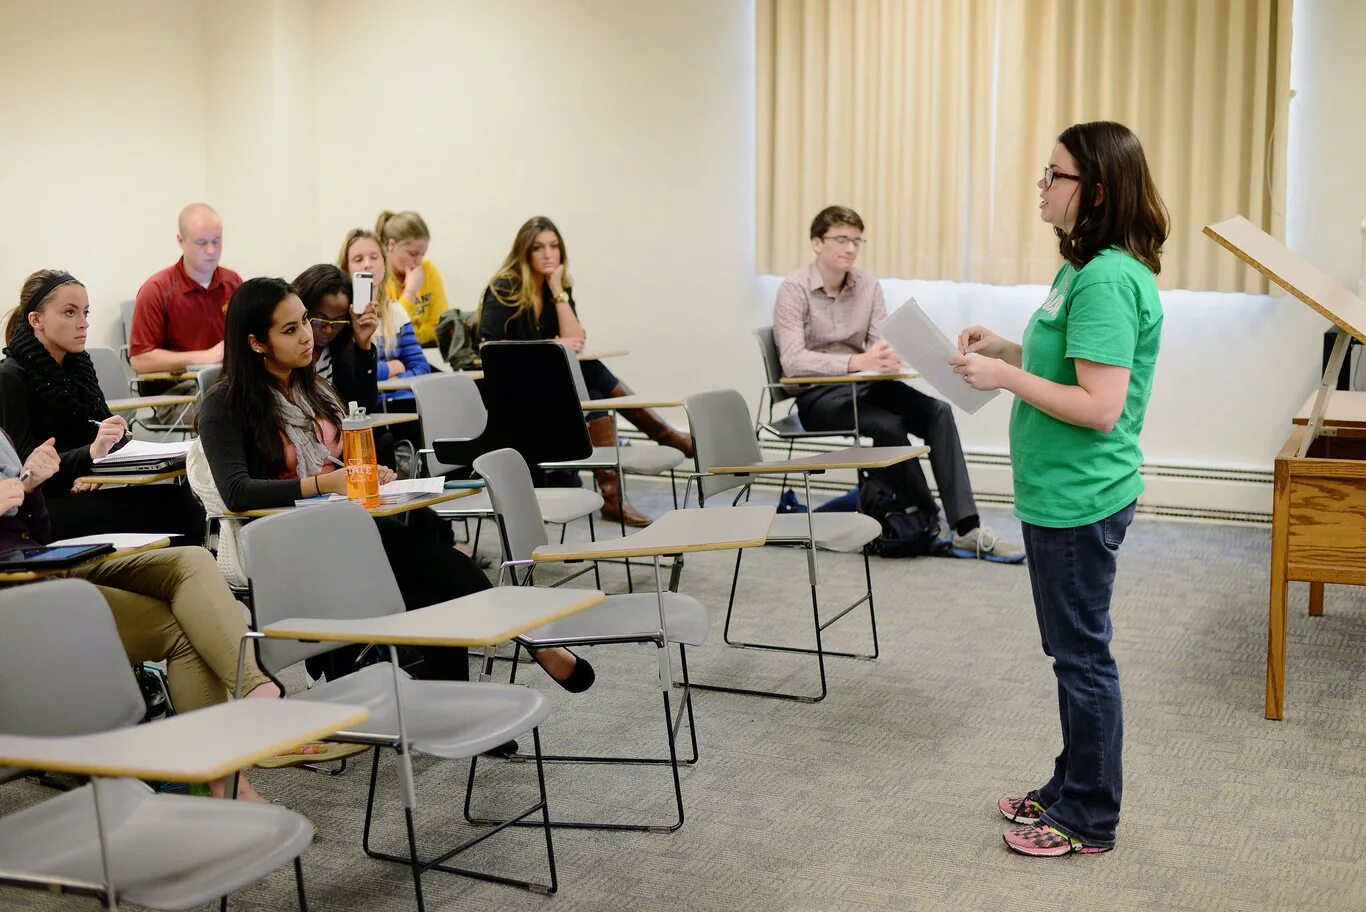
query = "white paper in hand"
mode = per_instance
[{"x": 922, "y": 345}]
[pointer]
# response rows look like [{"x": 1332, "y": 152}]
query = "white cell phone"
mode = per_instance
[{"x": 362, "y": 291}]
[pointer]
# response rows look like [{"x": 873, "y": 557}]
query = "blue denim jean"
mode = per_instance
[{"x": 1072, "y": 572}]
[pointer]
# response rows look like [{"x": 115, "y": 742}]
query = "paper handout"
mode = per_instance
[{"x": 922, "y": 345}]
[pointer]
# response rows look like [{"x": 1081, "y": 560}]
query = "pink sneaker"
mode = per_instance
[
  {"x": 1042, "y": 840},
  {"x": 1020, "y": 810}
]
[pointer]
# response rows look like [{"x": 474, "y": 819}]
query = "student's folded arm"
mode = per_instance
[
  {"x": 225, "y": 446},
  {"x": 410, "y": 352}
]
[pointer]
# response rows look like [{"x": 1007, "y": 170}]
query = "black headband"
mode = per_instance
[{"x": 49, "y": 286}]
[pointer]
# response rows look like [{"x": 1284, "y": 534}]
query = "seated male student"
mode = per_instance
[
  {"x": 178, "y": 319},
  {"x": 826, "y": 321}
]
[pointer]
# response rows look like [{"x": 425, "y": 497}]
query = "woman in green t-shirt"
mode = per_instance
[{"x": 1081, "y": 379}]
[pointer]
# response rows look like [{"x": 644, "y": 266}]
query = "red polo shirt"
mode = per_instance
[{"x": 176, "y": 313}]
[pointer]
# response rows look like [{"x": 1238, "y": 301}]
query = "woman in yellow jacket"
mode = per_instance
[{"x": 413, "y": 280}]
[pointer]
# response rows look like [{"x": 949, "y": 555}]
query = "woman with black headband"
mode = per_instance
[{"x": 49, "y": 391}]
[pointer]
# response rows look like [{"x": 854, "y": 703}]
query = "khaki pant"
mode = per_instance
[{"x": 172, "y": 605}]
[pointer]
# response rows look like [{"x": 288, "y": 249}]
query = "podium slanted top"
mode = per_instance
[{"x": 1292, "y": 272}]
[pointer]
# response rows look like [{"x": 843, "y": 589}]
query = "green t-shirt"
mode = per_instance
[{"x": 1107, "y": 312}]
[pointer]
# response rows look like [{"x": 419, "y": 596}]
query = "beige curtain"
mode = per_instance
[{"x": 933, "y": 119}]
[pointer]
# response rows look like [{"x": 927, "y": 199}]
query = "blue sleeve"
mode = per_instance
[{"x": 411, "y": 354}]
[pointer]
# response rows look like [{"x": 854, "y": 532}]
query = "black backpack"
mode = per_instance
[
  {"x": 457, "y": 336},
  {"x": 907, "y": 531}
]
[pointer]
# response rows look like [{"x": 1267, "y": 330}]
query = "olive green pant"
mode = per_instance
[{"x": 172, "y": 605}]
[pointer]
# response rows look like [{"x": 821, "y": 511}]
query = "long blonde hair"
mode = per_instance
[
  {"x": 514, "y": 284},
  {"x": 388, "y": 326}
]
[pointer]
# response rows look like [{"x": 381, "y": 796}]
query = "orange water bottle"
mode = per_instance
[{"x": 358, "y": 452}]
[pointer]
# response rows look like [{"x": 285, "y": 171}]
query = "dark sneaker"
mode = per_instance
[
  {"x": 1020, "y": 810},
  {"x": 1043, "y": 841}
]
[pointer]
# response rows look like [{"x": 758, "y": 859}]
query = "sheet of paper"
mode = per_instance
[
  {"x": 142, "y": 450},
  {"x": 119, "y": 539},
  {"x": 923, "y": 345},
  {"x": 413, "y": 486}
]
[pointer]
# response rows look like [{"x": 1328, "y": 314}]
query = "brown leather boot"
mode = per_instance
[
  {"x": 601, "y": 432},
  {"x": 654, "y": 425}
]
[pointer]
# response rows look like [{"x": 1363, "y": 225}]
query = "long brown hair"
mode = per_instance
[
  {"x": 32, "y": 285},
  {"x": 1130, "y": 214},
  {"x": 514, "y": 284}
]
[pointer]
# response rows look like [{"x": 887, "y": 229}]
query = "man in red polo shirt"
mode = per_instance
[{"x": 178, "y": 320}]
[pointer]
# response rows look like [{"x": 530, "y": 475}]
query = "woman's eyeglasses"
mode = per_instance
[
  {"x": 321, "y": 322},
  {"x": 1051, "y": 174}
]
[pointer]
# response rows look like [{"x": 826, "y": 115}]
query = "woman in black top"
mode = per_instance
[
  {"x": 531, "y": 297},
  {"x": 271, "y": 430},
  {"x": 49, "y": 391}
]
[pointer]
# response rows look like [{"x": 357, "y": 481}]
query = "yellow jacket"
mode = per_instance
[{"x": 430, "y": 304}]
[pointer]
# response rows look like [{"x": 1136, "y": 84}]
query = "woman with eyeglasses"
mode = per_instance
[
  {"x": 531, "y": 297},
  {"x": 49, "y": 390},
  {"x": 1081, "y": 378},
  {"x": 271, "y": 430},
  {"x": 399, "y": 354}
]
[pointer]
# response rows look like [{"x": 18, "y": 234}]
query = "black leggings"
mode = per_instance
[{"x": 429, "y": 570}]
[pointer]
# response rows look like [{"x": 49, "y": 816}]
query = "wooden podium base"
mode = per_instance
[{"x": 1318, "y": 533}]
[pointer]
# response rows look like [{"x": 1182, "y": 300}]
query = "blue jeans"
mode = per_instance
[{"x": 1072, "y": 572}]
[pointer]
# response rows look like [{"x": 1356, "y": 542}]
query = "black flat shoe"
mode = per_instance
[
  {"x": 579, "y": 680},
  {"x": 506, "y": 749}
]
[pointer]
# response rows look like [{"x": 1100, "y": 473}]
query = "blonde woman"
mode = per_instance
[
  {"x": 531, "y": 297},
  {"x": 400, "y": 353},
  {"x": 413, "y": 280}
]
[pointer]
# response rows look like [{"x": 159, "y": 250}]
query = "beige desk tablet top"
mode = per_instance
[
  {"x": 598, "y": 356},
  {"x": 859, "y": 377},
  {"x": 384, "y": 419},
  {"x": 485, "y": 618},
  {"x": 676, "y": 532},
  {"x": 28, "y": 576},
  {"x": 1346, "y": 409},
  {"x": 166, "y": 375},
  {"x": 195, "y": 746},
  {"x": 847, "y": 458},
  {"x": 132, "y": 404},
  {"x": 132, "y": 479},
  {"x": 427, "y": 501},
  {"x": 394, "y": 384},
  {"x": 629, "y": 402}
]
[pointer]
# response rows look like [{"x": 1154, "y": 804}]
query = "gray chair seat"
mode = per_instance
[
  {"x": 630, "y": 616},
  {"x": 790, "y": 426},
  {"x": 834, "y": 531},
  {"x": 165, "y": 851},
  {"x": 450, "y": 719},
  {"x": 650, "y": 459},
  {"x": 558, "y": 505}
]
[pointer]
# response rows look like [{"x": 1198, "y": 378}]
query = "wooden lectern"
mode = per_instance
[{"x": 1318, "y": 525}]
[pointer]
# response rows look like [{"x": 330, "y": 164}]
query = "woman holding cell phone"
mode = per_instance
[
  {"x": 400, "y": 355},
  {"x": 1081, "y": 378},
  {"x": 49, "y": 390}
]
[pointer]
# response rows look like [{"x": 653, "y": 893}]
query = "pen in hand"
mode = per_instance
[{"x": 126, "y": 436}]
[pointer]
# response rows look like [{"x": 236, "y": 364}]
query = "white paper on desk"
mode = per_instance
[
  {"x": 923, "y": 345},
  {"x": 413, "y": 486},
  {"x": 118, "y": 539},
  {"x": 142, "y": 450}
]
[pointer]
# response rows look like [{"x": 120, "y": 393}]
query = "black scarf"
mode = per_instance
[{"x": 65, "y": 395}]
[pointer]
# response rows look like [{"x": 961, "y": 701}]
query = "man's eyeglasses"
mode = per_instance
[
  {"x": 321, "y": 322},
  {"x": 1051, "y": 174},
  {"x": 845, "y": 240}
]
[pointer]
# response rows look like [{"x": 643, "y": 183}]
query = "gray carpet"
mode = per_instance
[{"x": 883, "y": 796}]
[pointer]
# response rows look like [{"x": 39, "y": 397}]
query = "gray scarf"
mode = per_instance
[
  {"x": 10, "y": 465},
  {"x": 303, "y": 431}
]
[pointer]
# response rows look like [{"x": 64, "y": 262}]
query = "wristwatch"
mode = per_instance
[{"x": 562, "y": 297}]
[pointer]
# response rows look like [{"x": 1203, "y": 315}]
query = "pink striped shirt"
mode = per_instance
[{"x": 816, "y": 332}]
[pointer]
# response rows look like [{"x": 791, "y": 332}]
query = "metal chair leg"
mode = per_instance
[{"x": 299, "y": 884}]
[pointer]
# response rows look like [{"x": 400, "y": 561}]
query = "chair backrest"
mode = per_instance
[
  {"x": 514, "y": 501},
  {"x": 533, "y": 402},
  {"x": 109, "y": 371},
  {"x": 63, "y": 668},
  {"x": 207, "y": 376},
  {"x": 723, "y": 434},
  {"x": 126, "y": 309},
  {"x": 773, "y": 364},
  {"x": 322, "y": 561},
  {"x": 451, "y": 408},
  {"x": 575, "y": 371}
]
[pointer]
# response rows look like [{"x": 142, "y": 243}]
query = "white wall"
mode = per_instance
[
  {"x": 629, "y": 123},
  {"x": 102, "y": 141}
]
